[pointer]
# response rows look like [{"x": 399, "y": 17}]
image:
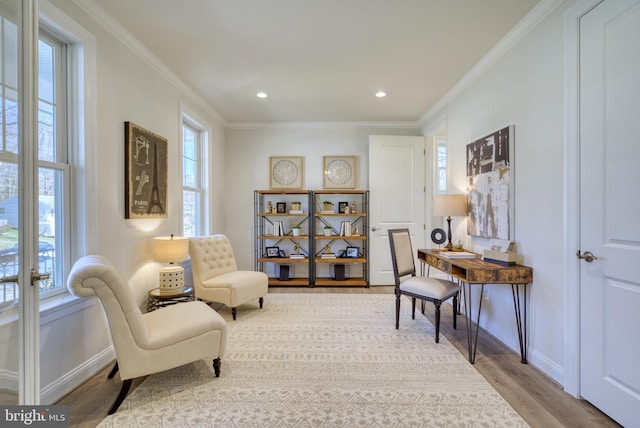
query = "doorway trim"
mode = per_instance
[{"x": 571, "y": 184}]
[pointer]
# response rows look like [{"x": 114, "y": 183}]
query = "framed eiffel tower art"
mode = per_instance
[{"x": 146, "y": 173}]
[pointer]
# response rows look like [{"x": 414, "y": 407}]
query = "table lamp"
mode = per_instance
[
  {"x": 171, "y": 249},
  {"x": 447, "y": 206}
]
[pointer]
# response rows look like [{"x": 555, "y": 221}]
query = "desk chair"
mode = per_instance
[{"x": 417, "y": 287}]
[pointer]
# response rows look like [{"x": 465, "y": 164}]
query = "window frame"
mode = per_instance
[
  {"x": 63, "y": 112},
  {"x": 201, "y": 176}
]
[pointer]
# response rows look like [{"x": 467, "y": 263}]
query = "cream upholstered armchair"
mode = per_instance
[
  {"x": 216, "y": 276},
  {"x": 151, "y": 342},
  {"x": 417, "y": 287}
]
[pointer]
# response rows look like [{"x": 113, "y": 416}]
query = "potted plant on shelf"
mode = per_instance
[
  {"x": 296, "y": 205},
  {"x": 327, "y": 231},
  {"x": 328, "y": 205},
  {"x": 295, "y": 230}
]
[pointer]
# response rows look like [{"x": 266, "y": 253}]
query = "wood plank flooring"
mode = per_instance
[{"x": 538, "y": 399}]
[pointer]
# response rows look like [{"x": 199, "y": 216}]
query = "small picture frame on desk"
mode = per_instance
[
  {"x": 342, "y": 207},
  {"x": 273, "y": 251},
  {"x": 281, "y": 207}
]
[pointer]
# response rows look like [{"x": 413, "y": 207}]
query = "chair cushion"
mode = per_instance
[
  {"x": 242, "y": 285},
  {"x": 169, "y": 325},
  {"x": 431, "y": 288}
]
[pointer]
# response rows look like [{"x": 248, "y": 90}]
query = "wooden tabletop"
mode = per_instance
[{"x": 476, "y": 270}]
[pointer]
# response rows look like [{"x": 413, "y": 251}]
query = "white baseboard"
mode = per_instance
[
  {"x": 545, "y": 365},
  {"x": 76, "y": 377}
]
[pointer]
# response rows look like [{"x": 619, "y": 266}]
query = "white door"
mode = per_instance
[
  {"x": 397, "y": 166},
  {"x": 19, "y": 291},
  {"x": 609, "y": 207}
]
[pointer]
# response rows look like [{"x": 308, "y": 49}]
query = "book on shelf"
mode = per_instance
[
  {"x": 458, "y": 254},
  {"x": 278, "y": 228},
  {"x": 296, "y": 256},
  {"x": 345, "y": 228},
  {"x": 327, "y": 212},
  {"x": 327, "y": 256},
  {"x": 296, "y": 212}
]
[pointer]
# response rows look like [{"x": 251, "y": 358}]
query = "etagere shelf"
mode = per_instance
[{"x": 275, "y": 218}]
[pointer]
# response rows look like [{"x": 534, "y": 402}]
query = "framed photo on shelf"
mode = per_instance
[
  {"x": 286, "y": 172},
  {"x": 339, "y": 172},
  {"x": 342, "y": 206},
  {"x": 145, "y": 173},
  {"x": 352, "y": 252},
  {"x": 281, "y": 207},
  {"x": 273, "y": 251}
]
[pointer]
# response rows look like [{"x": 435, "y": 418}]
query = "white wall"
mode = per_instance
[
  {"x": 524, "y": 88},
  {"x": 247, "y": 155},
  {"x": 74, "y": 337}
]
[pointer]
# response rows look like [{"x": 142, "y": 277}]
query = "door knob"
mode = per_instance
[{"x": 587, "y": 256}]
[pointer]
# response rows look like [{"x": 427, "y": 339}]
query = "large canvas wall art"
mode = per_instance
[{"x": 490, "y": 185}]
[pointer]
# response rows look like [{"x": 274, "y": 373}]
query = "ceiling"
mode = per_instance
[{"x": 318, "y": 60}]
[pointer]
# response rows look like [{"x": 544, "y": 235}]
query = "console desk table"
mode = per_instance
[{"x": 479, "y": 272}]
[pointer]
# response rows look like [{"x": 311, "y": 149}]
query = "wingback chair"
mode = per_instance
[
  {"x": 216, "y": 276},
  {"x": 151, "y": 342},
  {"x": 417, "y": 287}
]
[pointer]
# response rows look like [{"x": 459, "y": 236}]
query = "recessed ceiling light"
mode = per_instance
[
  {"x": 381, "y": 94},
  {"x": 261, "y": 95}
]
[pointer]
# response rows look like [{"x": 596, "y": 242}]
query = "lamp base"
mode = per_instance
[
  {"x": 171, "y": 279},
  {"x": 449, "y": 246}
]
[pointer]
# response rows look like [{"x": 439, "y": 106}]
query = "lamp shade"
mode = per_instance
[
  {"x": 170, "y": 249},
  {"x": 450, "y": 205}
]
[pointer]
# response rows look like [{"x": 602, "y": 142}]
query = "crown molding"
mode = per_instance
[
  {"x": 119, "y": 32},
  {"x": 538, "y": 14},
  {"x": 321, "y": 125}
]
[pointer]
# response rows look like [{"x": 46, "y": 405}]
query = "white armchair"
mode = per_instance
[
  {"x": 216, "y": 276},
  {"x": 151, "y": 342}
]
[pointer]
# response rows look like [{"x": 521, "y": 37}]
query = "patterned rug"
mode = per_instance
[{"x": 322, "y": 360}]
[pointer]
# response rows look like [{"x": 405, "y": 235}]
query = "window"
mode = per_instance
[
  {"x": 193, "y": 178},
  {"x": 53, "y": 166},
  {"x": 441, "y": 165}
]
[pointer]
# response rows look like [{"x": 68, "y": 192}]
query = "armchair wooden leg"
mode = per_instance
[
  {"x": 113, "y": 371},
  {"x": 123, "y": 394},
  {"x": 233, "y": 313},
  {"x": 437, "y": 313},
  {"x": 261, "y": 301},
  {"x": 216, "y": 366},
  {"x": 413, "y": 308}
]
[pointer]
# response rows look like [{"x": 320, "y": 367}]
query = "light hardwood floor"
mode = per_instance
[{"x": 538, "y": 399}]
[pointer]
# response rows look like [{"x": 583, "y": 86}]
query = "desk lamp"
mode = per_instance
[
  {"x": 171, "y": 249},
  {"x": 449, "y": 205}
]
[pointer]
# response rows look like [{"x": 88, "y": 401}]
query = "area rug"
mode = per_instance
[{"x": 322, "y": 360}]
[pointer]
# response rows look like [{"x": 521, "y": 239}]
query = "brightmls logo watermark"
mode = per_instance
[{"x": 34, "y": 416}]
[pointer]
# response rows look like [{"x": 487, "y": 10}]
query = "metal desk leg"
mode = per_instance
[
  {"x": 521, "y": 319},
  {"x": 472, "y": 337}
]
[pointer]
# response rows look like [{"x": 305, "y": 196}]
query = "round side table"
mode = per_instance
[{"x": 156, "y": 300}]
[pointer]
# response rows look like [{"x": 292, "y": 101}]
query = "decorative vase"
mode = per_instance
[
  {"x": 328, "y": 207},
  {"x": 327, "y": 232},
  {"x": 295, "y": 207},
  {"x": 295, "y": 231}
]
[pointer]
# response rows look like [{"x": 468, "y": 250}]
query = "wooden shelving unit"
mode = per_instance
[{"x": 313, "y": 270}]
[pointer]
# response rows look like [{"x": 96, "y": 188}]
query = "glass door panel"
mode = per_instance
[{"x": 19, "y": 356}]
